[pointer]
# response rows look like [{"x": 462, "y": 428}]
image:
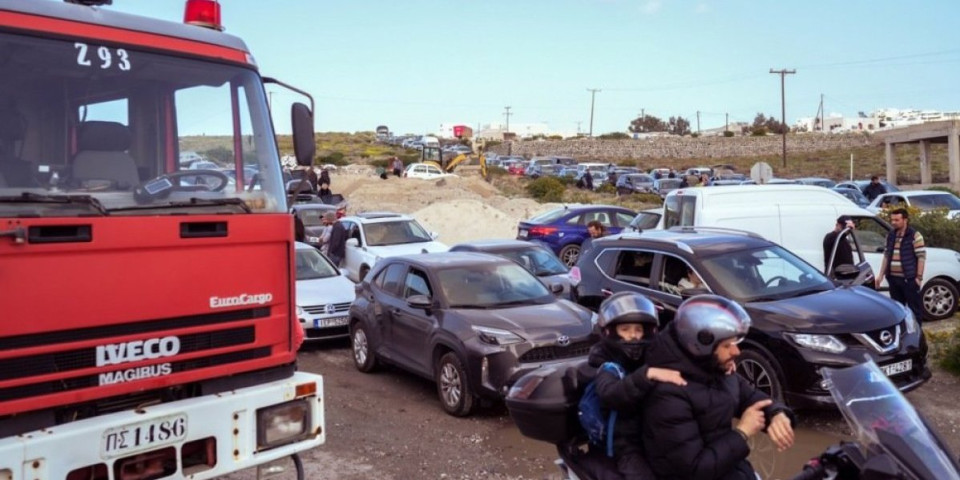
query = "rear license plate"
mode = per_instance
[
  {"x": 522, "y": 234},
  {"x": 148, "y": 435},
  {"x": 896, "y": 368},
  {"x": 330, "y": 322}
]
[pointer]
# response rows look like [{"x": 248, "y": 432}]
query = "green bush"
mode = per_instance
[
  {"x": 336, "y": 158},
  {"x": 546, "y": 189},
  {"x": 380, "y": 163},
  {"x": 607, "y": 188},
  {"x": 759, "y": 131},
  {"x": 727, "y": 133},
  {"x": 694, "y": 135},
  {"x": 497, "y": 171},
  {"x": 647, "y": 198},
  {"x": 937, "y": 229},
  {"x": 946, "y": 349},
  {"x": 577, "y": 196},
  {"x": 614, "y": 136}
]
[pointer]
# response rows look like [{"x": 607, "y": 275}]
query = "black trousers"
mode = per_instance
[{"x": 907, "y": 292}]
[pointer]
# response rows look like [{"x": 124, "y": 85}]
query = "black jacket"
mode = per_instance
[
  {"x": 623, "y": 395},
  {"x": 874, "y": 190},
  {"x": 844, "y": 251},
  {"x": 688, "y": 431},
  {"x": 337, "y": 248}
]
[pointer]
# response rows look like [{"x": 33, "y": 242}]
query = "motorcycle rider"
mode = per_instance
[
  {"x": 688, "y": 431},
  {"x": 628, "y": 322}
]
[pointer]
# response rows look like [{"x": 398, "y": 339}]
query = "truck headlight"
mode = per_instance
[
  {"x": 282, "y": 424},
  {"x": 820, "y": 343},
  {"x": 495, "y": 336}
]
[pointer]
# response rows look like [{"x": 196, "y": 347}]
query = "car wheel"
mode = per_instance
[
  {"x": 570, "y": 254},
  {"x": 453, "y": 387},
  {"x": 757, "y": 370},
  {"x": 363, "y": 356},
  {"x": 939, "y": 299},
  {"x": 363, "y": 273}
]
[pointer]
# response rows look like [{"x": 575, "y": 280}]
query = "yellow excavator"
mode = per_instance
[{"x": 434, "y": 156}]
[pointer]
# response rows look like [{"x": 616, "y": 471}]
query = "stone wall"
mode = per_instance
[{"x": 685, "y": 147}]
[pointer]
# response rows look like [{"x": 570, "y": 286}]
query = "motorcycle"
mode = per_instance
[{"x": 892, "y": 441}]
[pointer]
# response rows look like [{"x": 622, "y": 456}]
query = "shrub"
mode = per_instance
[
  {"x": 607, "y": 188},
  {"x": 694, "y": 135},
  {"x": 546, "y": 189},
  {"x": 496, "y": 171},
  {"x": 336, "y": 158},
  {"x": 759, "y": 132},
  {"x": 937, "y": 229},
  {"x": 946, "y": 349},
  {"x": 614, "y": 136},
  {"x": 945, "y": 189},
  {"x": 648, "y": 198},
  {"x": 380, "y": 163},
  {"x": 577, "y": 196},
  {"x": 727, "y": 133}
]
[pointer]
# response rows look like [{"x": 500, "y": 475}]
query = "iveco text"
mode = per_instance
[{"x": 136, "y": 350}]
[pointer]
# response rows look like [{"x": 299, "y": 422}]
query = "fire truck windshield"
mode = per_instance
[{"x": 137, "y": 131}]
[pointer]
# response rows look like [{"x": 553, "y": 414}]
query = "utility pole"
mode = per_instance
[
  {"x": 783, "y": 107},
  {"x": 507, "y": 114},
  {"x": 698, "y": 122},
  {"x": 593, "y": 93},
  {"x": 726, "y": 123},
  {"x": 643, "y": 120},
  {"x": 578, "y": 127},
  {"x": 823, "y": 114}
]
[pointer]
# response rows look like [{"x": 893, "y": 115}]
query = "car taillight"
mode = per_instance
[
  {"x": 542, "y": 231},
  {"x": 574, "y": 275},
  {"x": 203, "y": 13}
]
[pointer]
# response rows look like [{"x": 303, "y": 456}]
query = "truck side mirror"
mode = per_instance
[{"x": 304, "y": 146}]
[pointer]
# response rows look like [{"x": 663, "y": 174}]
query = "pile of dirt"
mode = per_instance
[{"x": 459, "y": 208}]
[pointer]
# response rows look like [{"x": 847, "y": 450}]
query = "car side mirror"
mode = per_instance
[
  {"x": 353, "y": 242},
  {"x": 422, "y": 302},
  {"x": 556, "y": 288}
]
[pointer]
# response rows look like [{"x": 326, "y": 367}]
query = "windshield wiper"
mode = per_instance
[
  {"x": 28, "y": 197},
  {"x": 512, "y": 303},
  {"x": 768, "y": 298},
  {"x": 191, "y": 203},
  {"x": 470, "y": 306}
]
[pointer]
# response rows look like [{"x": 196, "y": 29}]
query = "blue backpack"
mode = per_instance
[{"x": 597, "y": 421}]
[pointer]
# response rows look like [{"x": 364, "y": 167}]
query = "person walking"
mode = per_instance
[
  {"x": 324, "y": 177},
  {"x": 844, "y": 255},
  {"x": 397, "y": 166},
  {"x": 688, "y": 432},
  {"x": 874, "y": 189},
  {"x": 337, "y": 245},
  {"x": 588, "y": 180},
  {"x": 904, "y": 260},
  {"x": 628, "y": 321}
]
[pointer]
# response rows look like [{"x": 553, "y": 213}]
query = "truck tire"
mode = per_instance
[{"x": 939, "y": 299}]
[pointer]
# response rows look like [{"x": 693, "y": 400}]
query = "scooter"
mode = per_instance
[{"x": 892, "y": 439}]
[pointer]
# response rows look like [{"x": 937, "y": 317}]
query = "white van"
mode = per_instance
[{"x": 798, "y": 217}]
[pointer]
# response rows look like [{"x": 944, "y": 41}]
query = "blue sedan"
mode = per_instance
[{"x": 564, "y": 229}]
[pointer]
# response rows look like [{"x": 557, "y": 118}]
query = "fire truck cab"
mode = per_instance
[{"x": 147, "y": 326}]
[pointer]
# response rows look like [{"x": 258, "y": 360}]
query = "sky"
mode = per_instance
[{"x": 415, "y": 64}]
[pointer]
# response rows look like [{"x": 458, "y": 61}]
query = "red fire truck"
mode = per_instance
[{"x": 147, "y": 325}]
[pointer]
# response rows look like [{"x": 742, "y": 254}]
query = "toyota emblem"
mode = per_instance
[
  {"x": 886, "y": 338},
  {"x": 563, "y": 340},
  {"x": 329, "y": 309}
]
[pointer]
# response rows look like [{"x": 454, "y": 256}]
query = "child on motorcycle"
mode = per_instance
[{"x": 627, "y": 321}]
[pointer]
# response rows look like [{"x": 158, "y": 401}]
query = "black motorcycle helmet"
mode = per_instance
[{"x": 627, "y": 307}]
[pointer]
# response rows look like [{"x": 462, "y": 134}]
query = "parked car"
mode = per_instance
[
  {"x": 853, "y": 194},
  {"x": 635, "y": 183},
  {"x": 862, "y": 184},
  {"x": 515, "y": 167},
  {"x": 323, "y": 297},
  {"x": 925, "y": 200},
  {"x": 534, "y": 256},
  {"x": 472, "y": 322},
  {"x": 564, "y": 229},
  {"x": 425, "y": 171},
  {"x": 801, "y": 320},
  {"x": 818, "y": 181},
  {"x": 645, "y": 220},
  {"x": 374, "y": 236},
  {"x": 663, "y": 186},
  {"x": 311, "y": 214}
]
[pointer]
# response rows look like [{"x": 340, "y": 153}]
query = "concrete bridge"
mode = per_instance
[{"x": 947, "y": 131}]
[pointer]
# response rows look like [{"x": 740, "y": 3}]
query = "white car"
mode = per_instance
[
  {"x": 377, "y": 235},
  {"x": 424, "y": 171},
  {"x": 925, "y": 200},
  {"x": 324, "y": 295}
]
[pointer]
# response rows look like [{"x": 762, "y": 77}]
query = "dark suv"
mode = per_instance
[{"x": 801, "y": 320}]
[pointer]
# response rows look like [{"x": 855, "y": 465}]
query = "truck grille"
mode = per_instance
[
  {"x": 322, "y": 309},
  {"x": 556, "y": 352}
]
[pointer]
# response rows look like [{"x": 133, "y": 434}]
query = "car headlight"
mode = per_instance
[
  {"x": 313, "y": 239},
  {"x": 282, "y": 424},
  {"x": 496, "y": 336},
  {"x": 909, "y": 319},
  {"x": 820, "y": 343}
]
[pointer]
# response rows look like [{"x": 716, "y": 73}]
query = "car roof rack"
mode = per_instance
[{"x": 732, "y": 231}]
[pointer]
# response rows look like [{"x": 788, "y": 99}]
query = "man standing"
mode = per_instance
[
  {"x": 337, "y": 246},
  {"x": 588, "y": 179},
  {"x": 844, "y": 254},
  {"x": 688, "y": 431},
  {"x": 904, "y": 260},
  {"x": 874, "y": 189},
  {"x": 397, "y": 166}
]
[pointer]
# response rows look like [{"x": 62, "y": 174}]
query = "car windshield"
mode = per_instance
[
  {"x": 537, "y": 260},
  {"x": 645, "y": 221},
  {"x": 96, "y": 121},
  {"x": 394, "y": 233},
  {"x": 764, "y": 274},
  {"x": 934, "y": 201},
  {"x": 312, "y": 217},
  {"x": 312, "y": 265},
  {"x": 491, "y": 284}
]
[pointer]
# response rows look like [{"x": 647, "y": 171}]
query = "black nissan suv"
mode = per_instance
[{"x": 801, "y": 319}]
